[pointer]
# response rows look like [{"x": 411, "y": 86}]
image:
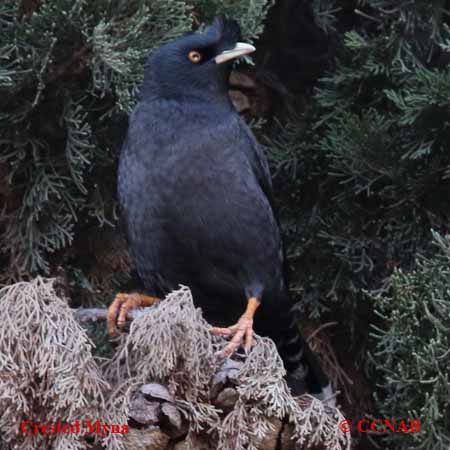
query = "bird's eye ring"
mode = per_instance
[{"x": 194, "y": 56}]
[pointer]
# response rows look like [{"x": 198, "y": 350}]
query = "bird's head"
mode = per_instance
[{"x": 196, "y": 64}]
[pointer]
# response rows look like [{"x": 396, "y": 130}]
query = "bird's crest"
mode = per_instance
[{"x": 224, "y": 30}]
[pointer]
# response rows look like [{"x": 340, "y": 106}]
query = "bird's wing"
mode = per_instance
[
  {"x": 259, "y": 164},
  {"x": 122, "y": 222},
  {"x": 261, "y": 169}
]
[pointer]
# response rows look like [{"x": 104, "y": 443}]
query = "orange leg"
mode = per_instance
[
  {"x": 122, "y": 304},
  {"x": 241, "y": 331}
]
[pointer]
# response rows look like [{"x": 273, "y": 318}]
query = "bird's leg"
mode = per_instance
[
  {"x": 241, "y": 331},
  {"x": 118, "y": 310}
]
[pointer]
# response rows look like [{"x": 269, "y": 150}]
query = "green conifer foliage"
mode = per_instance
[
  {"x": 369, "y": 154},
  {"x": 413, "y": 355},
  {"x": 362, "y": 174}
]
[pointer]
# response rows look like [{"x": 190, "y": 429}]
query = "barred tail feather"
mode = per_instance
[{"x": 304, "y": 372}]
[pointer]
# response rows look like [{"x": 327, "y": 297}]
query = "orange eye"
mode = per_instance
[{"x": 194, "y": 56}]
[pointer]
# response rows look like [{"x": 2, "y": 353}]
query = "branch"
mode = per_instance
[
  {"x": 74, "y": 66},
  {"x": 27, "y": 8},
  {"x": 96, "y": 314}
]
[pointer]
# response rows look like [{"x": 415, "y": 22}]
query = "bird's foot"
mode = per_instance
[
  {"x": 241, "y": 332},
  {"x": 122, "y": 304}
]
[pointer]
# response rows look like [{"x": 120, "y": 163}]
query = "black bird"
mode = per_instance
[{"x": 196, "y": 198}]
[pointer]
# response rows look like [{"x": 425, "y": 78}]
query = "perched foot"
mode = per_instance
[
  {"x": 242, "y": 331},
  {"x": 122, "y": 304}
]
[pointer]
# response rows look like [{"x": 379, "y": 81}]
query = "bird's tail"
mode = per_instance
[{"x": 304, "y": 372}]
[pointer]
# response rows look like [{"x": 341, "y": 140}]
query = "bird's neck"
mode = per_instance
[{"x": 214, "y": 94}]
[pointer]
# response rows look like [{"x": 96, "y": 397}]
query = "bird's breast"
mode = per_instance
[{"x": 195, "y": 212}]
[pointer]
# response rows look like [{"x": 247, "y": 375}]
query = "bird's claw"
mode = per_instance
[
  {"x": 122, "y": 304},
  {"x": 241, "y": 332},
  {"x": 118, "y": 310}
]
